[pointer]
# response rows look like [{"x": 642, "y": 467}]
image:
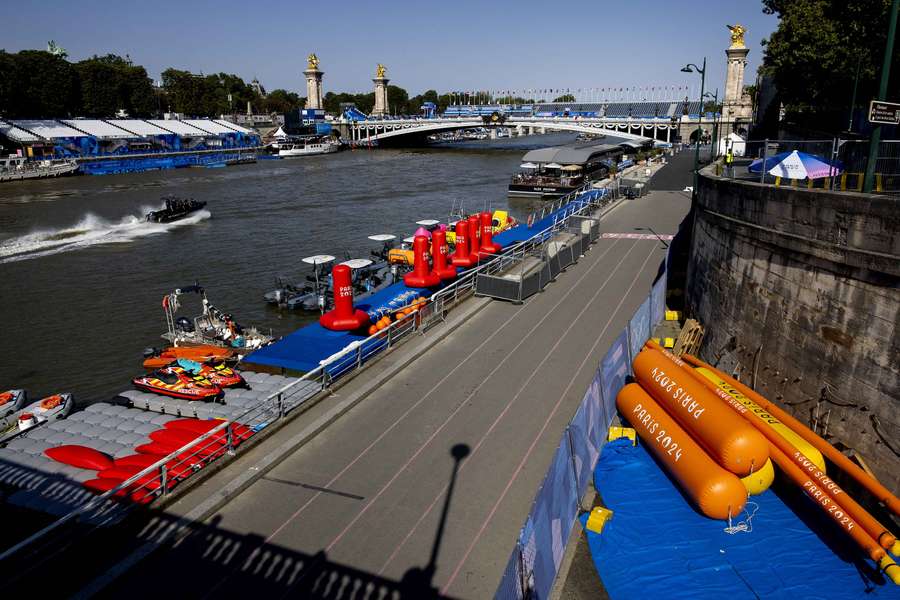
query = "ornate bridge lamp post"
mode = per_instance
[
  {"x": 691, "y": 68},
  {"x": 715, "y": 134}
]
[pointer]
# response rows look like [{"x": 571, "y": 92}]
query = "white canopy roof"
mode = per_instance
[
  {"x": 357, "y": 263},
  {"x": 410, "y": 239},
  {"x": 318, "y": 259},
  {"x": 528, "y": 165},
  {"x": 427, "y": 222},
  {"x": 553, "y": 166},
  {"x": 382, "y": 237}
]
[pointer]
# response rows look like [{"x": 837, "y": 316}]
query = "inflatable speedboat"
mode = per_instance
[
  {"x": 176, "y": 208},
  {"x": 57, "y": 406},
  {"x": 12, "y": 401},
  {"x": 177, "y": 384},
  {"x": 154, "y": 358},
  {"x": 217, "y": 372},
  {"x": 212, "y": 327}
]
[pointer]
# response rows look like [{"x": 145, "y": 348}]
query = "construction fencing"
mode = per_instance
[{"x": 534, "y": 563}]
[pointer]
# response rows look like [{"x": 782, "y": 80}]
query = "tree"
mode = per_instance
[
  {"x": 565, "y": 98},
  {"x": 813, "y": 56},
  {"x": 283, "y": 101},
  {"x": 110, "y": 83},
  {"x": 43, "y": 85}
]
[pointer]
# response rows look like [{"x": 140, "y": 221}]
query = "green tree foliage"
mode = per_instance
[
  {"x": 565, "y": 98},
  {"x": 110, "y": 83},
  {"x": 38, "y": 84},
  {"x": 283, "y": 101},
  {"x": 814, "y": 53}
]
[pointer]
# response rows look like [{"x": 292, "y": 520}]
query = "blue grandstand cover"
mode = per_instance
[{"x": 657, "y": 546}]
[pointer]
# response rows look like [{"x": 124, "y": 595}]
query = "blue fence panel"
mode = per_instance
[
  {"x": 639, "y": 328},
  {"x": 547, "y": 530},
  {"x": 613, "y": 370},
  {"x": 586, "y": 433},
  {"x": 510, "y": 587},
  {"x": 658, "y": 301}
]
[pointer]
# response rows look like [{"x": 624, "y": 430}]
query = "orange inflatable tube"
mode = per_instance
[
  {"x": 716, "y": 492},
  {"x": 854, "y": 471},
  {"x": 852, "y": 508},
  {"x": 729, "y": 439}
]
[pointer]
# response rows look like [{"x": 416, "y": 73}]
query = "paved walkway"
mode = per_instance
[{"x": 360, "y": 506}]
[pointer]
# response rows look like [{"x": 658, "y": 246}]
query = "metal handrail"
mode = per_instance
[{"x": 274, "y": 404}]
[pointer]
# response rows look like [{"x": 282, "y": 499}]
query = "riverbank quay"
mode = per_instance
[{"x": 369, "y": 491}]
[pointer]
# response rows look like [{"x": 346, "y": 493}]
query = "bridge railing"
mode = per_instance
[{"x": 229, "y": 437}]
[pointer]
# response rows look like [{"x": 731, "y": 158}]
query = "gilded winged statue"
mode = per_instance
[
  {"x": 737, "y": 35},
  {"x": 312, "y": 62},
  {"x": 380, "y": 70}
]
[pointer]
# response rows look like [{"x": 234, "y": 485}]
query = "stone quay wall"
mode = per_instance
[{"x": 799, "y": 291}]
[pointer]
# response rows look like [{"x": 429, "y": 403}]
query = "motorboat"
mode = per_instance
[
  {"x": 12, "y": 401},
  {"x": 308, "y": 146},
  {"x": 311, "y": 294},
  {"x": 156, "y": 358},
  {"x": 217, "y": 372},
  {"x": 212, "y": 327},
  {"x": 15, "y": 167},
  {"x": 176, "y": 383},
  {"x": 176, "y": 208},
  {"x": 29, "y": 416}
]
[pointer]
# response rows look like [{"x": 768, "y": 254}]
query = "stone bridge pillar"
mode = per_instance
[
  {"x": 313, "y": 83},
  {"x": 381, "y": 99}
]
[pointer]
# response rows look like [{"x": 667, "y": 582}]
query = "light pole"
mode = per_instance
[
  {"x": 882, "y": 94},
  {"x": 691, "y": 68},
  {"x": 715, "y": 135}
]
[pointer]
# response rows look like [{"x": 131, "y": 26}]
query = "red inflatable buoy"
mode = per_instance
[
  {"x": 474, "y": 241},
  {"x": 439, "y": 252},
  {"x": 421, "y": 276},
  {"x": 80, "y": 456},
  {"x": 461, "y": 256},
  {"x": 488, "y": 245},
  {"x": 343, "y": 317}
]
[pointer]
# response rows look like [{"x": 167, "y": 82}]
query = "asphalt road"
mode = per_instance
[{"x": 357, "y": 512}]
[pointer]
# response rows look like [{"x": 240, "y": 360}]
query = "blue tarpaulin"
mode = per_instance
[{"x": 657, "y": 546}]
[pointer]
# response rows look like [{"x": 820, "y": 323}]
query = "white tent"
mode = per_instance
[
  {"x": 280, "y": 133},
  {"x": 737, "y": 144}
]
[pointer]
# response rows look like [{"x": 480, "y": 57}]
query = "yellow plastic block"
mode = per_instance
[
  {"x": 669, "y": 343},
  {"x": 599, "y": 517},
  {"x": 622, "y": 432},
  {"x": 655, "y": 340},
  {"x": 673, "y": 315}
]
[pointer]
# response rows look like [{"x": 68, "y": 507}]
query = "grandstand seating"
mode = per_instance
[
  {"x": 234, "y": 127},
  {"x": 181, "y": 128},
  {"x": 138, "y": 127},
  {"x": 17, "y": 134},
  {"x": 208, "y": 125},
  {"x": 48, "y": 128},
  {"x": 106, "y": 130}
]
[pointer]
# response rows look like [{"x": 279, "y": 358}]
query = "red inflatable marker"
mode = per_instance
[
  {"x": 439, "y": 255},
  {"x": 461, "y": 256},
  {"x": 421, "y": 276},
  {"x": 474, "y": 242},
  {"x": 343, "y": 317},
  {"x": 80, "y": 456},
  {"x": 488, "y": 245}
]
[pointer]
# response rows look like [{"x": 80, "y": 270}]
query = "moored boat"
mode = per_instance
[
  {"x": 57, "y": 406},
  {"x": 308, "y": 146}
]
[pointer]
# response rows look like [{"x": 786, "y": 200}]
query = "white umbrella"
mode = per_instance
[
  {"x": 528, "y": 165},
  {"x": 553, "y": 166}
]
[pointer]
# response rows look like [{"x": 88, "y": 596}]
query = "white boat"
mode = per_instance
[
  {"x": 308, "y": 146},
  {"x": 16, "y": 167}
]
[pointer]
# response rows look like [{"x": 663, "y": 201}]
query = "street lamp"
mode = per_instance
[
  {"x": 692, "y": 68},
  {"x": 715, "y": 136}
]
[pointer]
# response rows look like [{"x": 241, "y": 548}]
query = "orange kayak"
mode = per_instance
[{"x": 199, "y": 354}]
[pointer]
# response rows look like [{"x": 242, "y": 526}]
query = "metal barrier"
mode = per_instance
[
  {"x": 158, "y": 479},
  {"x": 534, "y": 563}
]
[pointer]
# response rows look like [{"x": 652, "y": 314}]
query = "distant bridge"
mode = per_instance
[{"x": 639, "y": 129}]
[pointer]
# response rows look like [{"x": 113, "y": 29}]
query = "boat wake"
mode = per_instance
[{"x": 90, "y": 231}]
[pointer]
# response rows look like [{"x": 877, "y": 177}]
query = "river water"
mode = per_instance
[{"x": 82, "y": 276}]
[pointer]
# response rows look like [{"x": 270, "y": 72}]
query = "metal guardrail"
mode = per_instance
[{"x": 158, "y": 479}]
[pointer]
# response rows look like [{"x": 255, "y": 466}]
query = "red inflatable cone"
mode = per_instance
[
  {"x": 439, "y": 255},
  {"x": 421, "y": 276},
  {"x": 343, "y": 317},
  {"x": 461, "y": 256},
  {"x": 488, "y": 245},
  {"x": 474, "y": 243}
]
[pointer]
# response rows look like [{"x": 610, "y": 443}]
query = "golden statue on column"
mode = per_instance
[
  {"x": 380, "y": 70},
  {"x": 737, "y": 35},
  {"x": 312, "y": 62}
]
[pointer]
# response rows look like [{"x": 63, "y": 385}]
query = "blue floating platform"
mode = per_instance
[
  {"x": 307, "y": 347},
  {"x": 657, "y": 546}
]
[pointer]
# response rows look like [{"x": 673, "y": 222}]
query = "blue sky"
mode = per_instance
[{"x": 443, "y": 44}]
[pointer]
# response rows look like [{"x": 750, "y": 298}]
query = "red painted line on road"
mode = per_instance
[
  {"x": 508, "y": 406},
  {"x": 537, "y": 438}
]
